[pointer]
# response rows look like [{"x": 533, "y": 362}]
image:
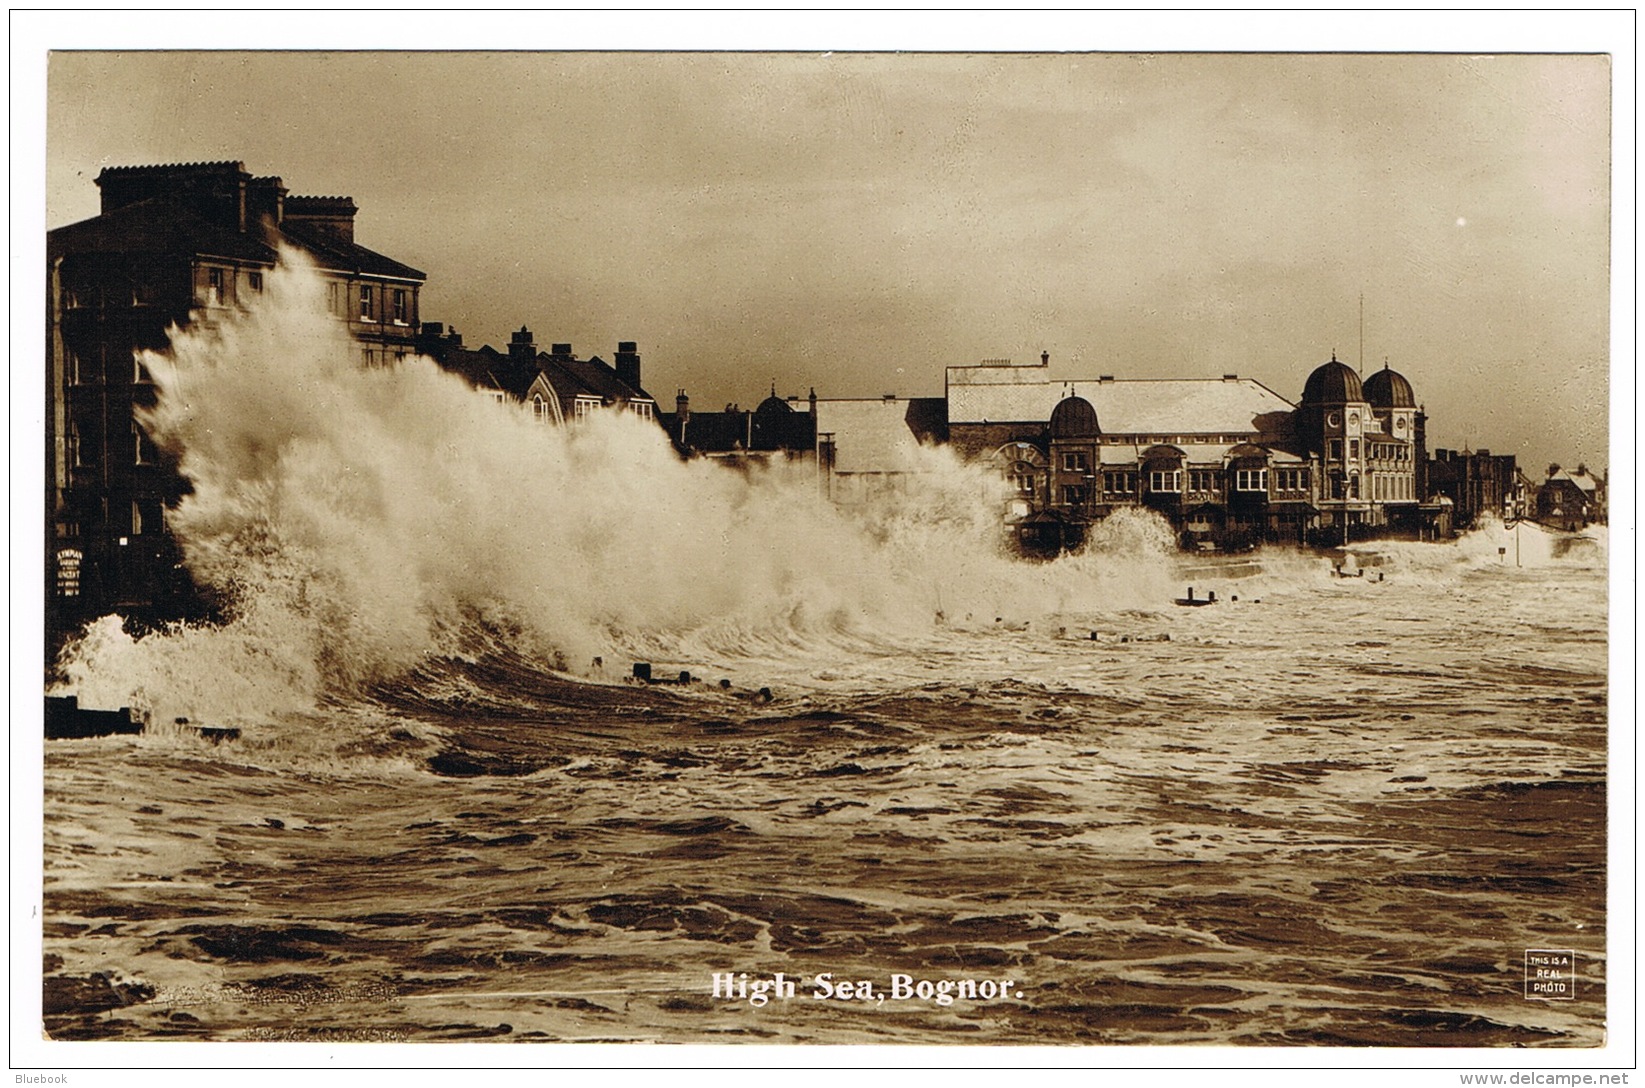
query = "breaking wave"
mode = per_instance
[{"x": 359, "y": 521}]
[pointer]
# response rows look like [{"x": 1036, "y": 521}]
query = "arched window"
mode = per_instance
[{"x": 539, "y": 410}]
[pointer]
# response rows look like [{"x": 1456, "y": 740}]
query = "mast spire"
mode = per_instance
[{"x": 1362, "y": 334}]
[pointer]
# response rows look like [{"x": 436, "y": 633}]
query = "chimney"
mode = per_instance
[
  {"x": 1045, "y": 358},
  {"x": 682, "y": 406},
  {"x": 628, "y": 364},
  {"x": 520, "y": 345},
  {"x": 327, "y": 216},
  {"x": 562, "y": 351},
  {"x": 265, "y": 200},
  {"x": 1230, "y": 377},
  {"x": 813, "y": 400}
]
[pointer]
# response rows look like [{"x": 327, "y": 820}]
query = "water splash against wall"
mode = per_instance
[{"x": 359, "y": 520}]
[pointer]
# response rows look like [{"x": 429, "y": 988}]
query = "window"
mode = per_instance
[
  {"x": 367, "y": 308},
  {"x": 1159, "y": 480},
  {"x": 539, "y": 410},
  {"x": 334, "y": 299},
  {"x": 214, "y": 286},
  {"x": 400, "y": 310},
  {"x": 497, "y": 395},
  {"x": 1291, "y": 479},
  {"x": 1353, "y": 449},
  {"x": 142, "y": 448},
  {"x": 71, "y": 446},
  {"x": 1023, "y": 482},
  {"x": 641, "y": 408},
  {"x": 256, "y": 281},
  {"x": 583, "y": 407},
  {"x": 1333, "y": 449},
  {"x": 1073, "y": 461},
  {"x": 1202, "y": 479},
  {"x": 1251, "y": 479},
  {"x": 1119, "y": 483},
  {"x": 136, "y": 519},
  {"x": 1073, "y": 494}
]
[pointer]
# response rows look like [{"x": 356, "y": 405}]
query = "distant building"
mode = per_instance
[
  {"x": 1227, "y": 461},
  {"x": 171, "y": 244},
  {"x": 869, "y": 444},
  {"x": 778, "y": 428},
  {"x": 1571, "y": 500},
  {"x": 1479, "y": 484},
  {"x": 554, "y": 385}
]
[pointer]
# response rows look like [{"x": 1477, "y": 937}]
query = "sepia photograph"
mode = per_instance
[{"x": 1070, "y": 546}]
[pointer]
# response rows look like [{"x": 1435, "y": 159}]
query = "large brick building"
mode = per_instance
[{"x": 171, "y": 245}]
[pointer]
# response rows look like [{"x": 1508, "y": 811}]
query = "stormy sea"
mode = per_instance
[{"x": 888, "y": 784}]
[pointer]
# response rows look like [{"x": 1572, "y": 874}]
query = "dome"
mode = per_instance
[
  {"x": 1332, "y": 383},
  {"x": 773, "y": 405},
  {"x": 1073, "y": 417},
  {"x": 1389, "y": 389}
]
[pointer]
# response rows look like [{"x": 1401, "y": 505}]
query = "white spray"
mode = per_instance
[{"x": 363, "y": 519}]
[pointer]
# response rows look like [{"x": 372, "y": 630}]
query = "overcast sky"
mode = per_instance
[{"x": 856, "y": 222}]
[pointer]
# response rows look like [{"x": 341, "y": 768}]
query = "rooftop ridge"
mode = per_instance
[
  {"x": 157, "y": 168},
  {"x": 340, "y": 200}
]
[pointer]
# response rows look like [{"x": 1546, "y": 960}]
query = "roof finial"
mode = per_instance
[
  {"x": 1333, "y": 355},
  {"x": 773, "y": 387}
]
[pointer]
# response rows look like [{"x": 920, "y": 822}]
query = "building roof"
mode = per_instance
[
  {"x": 156, "y": 226},
  {"x": 164, "y": 225},
  {"x": 1389, "y": 389},
  {"x": 877, "y": 435},
  {"x": 1581, "y": 480},
  {"x": 571, "y": 376},
  {"x": 338, "y": 255},
  {"x": 1333, "y": 383},
  {"x": 1073, "y": 417},
  {"x": 1155, "y": 406}
]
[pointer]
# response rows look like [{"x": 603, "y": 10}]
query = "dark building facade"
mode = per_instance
[
  {"x": 776, "y": 427},
  {"x": 171, "y": 245},
  {"x": 1478, "y": 484},
  {"x": 1570, "y": 500}
]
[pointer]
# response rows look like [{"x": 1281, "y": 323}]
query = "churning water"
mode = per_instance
[{"x": 1323, "y": 811}]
